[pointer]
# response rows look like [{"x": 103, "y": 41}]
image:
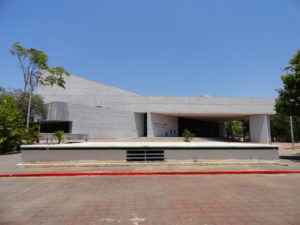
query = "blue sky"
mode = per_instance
[{"x": 231, "y": 48}]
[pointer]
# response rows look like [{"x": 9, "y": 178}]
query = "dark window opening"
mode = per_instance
[{"x": 52, "y": 126}]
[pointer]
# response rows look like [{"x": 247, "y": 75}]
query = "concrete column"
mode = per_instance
[
  {"x": 260, "y": 128},
  {"x": 222, "y": 130},
  {"x": 149, "y": 125}
]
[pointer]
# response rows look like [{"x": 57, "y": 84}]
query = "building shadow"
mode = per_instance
[{"x": 294, "y": 158}]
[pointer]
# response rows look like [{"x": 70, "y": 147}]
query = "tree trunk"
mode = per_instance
[{"x": 28, "y": 109}]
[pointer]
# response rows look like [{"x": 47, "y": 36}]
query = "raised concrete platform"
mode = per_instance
[{"x": 123, "y": 152}]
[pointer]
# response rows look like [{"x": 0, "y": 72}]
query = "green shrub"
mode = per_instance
[
  {"x": 30, "y": 135},
  {"x": 12, "y": 131},
  {"x": 59, "y": 135},
  {"x": 187, "y": 135},
  {"x": 11, "y": 122}
]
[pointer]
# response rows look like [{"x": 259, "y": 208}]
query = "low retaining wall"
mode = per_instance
[
  {"x": 72, "y": 155},
  {"x": 222, "y": 154},
  {"x": 32, "y": 155}
]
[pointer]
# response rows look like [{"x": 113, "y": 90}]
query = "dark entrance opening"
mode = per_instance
[
  {"x": 199, "y": 127},
  {"x": 51, "y": 126},
  {"x": 145, "y": 124}
]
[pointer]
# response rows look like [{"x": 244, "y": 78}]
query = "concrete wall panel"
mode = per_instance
[
  {"x": 139, "y": 123},
  {"x": 210, "y": 154},
  {"x": 85, "y": 92},
  {"x": 162, "y": 125},
  {"x": 260, "y": 128},
  {"x": 57, "y": 111},
  {"x": 98, "y": 122},
  {"x": 70, "y": 155}
]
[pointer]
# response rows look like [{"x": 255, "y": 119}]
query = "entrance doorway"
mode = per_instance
[{"x": 199, "y": 127}]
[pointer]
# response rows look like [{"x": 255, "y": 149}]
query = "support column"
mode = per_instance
[
  {"x": 260, "y": 128},
  {"x": 149, "y": 125},
  {"x": 222, "y": 130}
]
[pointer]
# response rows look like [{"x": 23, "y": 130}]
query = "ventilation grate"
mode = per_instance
[{"x": 145, "y": 155}]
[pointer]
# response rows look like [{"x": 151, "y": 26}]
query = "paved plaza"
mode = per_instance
[{"x": 155, "y": 200}]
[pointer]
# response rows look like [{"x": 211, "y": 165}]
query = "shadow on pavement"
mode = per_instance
[
  {"x": 10, "y": 153},
  {"x": 294, "y": 158}
]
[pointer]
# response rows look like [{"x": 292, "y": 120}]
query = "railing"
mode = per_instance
[{"x": 48, "y": 137}]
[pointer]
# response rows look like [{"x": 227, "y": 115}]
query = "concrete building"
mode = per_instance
[{"x": 101, "y": 111}]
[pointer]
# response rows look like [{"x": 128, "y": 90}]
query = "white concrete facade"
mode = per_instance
[
  {"x": 260, "y": 128},
  {"x": 107, "y": 112},
  {"x": 162, "y": 125}
]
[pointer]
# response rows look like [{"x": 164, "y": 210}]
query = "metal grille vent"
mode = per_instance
[{"x": 145, "y": 155}]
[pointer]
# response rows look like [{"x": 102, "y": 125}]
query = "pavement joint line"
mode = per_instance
[{"x": 59, "y": 174}]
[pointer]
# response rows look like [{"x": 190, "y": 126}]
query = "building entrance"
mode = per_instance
[{"x": 199, "y": 127}]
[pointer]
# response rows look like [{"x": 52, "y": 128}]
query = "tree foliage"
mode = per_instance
[
  {"x": 187, "y": 135},
  {"x": 12, "y": 128},
  {"x": 37, "y": 109},
  {"x": 35, "y": 70},
  {"x": 11, "y": 121},
  {"x": 280, "y": 127},
  {"x": 59, "y": 135},
  {"x": 288, "y": 101},
  {"x": 238, "y": 128}
]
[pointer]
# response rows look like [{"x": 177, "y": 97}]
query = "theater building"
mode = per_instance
[{"x": 101, "y": 111}]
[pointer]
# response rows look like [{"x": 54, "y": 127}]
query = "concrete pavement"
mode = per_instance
[
  {"x": 8, "y": 166},
  {"x": 155, "y": 200}
]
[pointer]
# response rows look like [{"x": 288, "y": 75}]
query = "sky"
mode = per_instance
[{"x": 223, "y": 48}]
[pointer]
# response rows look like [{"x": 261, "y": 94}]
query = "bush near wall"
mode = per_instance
[{"x": 12, "y": 131}]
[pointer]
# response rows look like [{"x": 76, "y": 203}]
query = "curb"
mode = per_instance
[{"x": 146, "y": 173}]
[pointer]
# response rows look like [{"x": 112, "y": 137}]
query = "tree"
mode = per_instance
[
  {"x": 37, "y": 109},
  {"x": 234, "y": 128},
  {"x": 11, "y": 121},
  {"x": 59, "y": 135},
  {"x": 280, "y": 129},
  {"x": 187, "y": 135},
  {"x": 35, "y": 70},
  {"x": 288, "y": 101},
  {"x": 12, "y": 131}
]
